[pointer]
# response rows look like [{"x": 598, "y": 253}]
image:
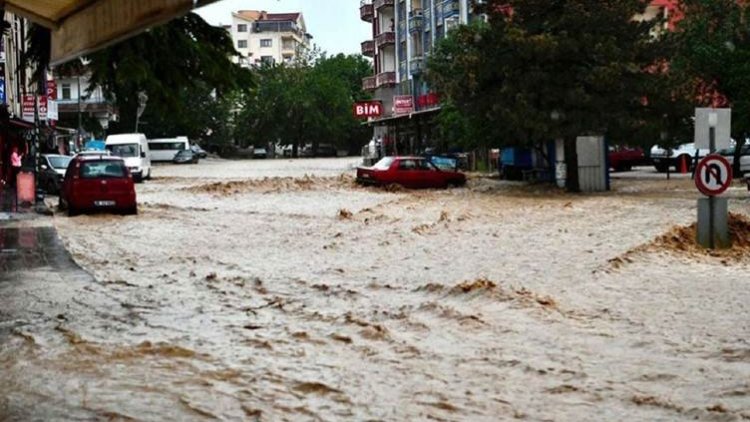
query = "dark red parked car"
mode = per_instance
[
  {"x": 624, "y": 158},
  {"x": 98, "y": 182},
  {"x": 410, "y": 172}
]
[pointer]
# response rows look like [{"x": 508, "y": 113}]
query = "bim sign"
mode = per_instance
[{"x": 366, "y": 109}]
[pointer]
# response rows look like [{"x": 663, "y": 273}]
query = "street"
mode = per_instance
[{"x": 280, "y": 290}]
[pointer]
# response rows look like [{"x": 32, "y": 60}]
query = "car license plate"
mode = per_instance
[
  {"x": 365, "y": 176},
  {"x": 657, "y": 160},
  {"x": 104, "y": 203}
]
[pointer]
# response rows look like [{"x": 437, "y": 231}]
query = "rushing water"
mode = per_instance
[{"x": 306, "y": 298}]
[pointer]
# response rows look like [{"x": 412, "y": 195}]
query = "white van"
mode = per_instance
[
  {"x": 133, "y": 148},
  {"x": 165, "y": 149}
]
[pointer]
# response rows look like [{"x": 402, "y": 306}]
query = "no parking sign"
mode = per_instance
[{"x": 713, "y": 176}]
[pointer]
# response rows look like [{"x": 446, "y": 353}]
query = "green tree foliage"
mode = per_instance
[
  {"x": 555, "y": 69},
  {"x": 306, "y": 102},
  {"x": 712, "y": 59},
  {"x": 183, "y": 66}
]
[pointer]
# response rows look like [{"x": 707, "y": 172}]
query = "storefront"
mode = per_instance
[{"x": 14, "y": 133}]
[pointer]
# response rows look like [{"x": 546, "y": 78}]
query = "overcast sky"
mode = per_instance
[{"x": 334, "y": 24}]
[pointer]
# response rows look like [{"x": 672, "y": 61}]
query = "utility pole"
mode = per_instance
[{"x": 80, "y": 128}]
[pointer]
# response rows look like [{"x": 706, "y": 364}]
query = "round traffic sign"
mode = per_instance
[{"x": 713, "y": 175}]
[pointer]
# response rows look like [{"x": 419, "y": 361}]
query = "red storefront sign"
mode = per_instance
[
  {"x": 27, "y": 106},
  {"x": 403, "y": 104},
  {"x": 52, "y": 90},
  {"x": 364, "y": 109}
]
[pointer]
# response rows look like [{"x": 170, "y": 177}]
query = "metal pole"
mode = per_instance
[
  {"x": 711, "y": 199},
  {"x": 79, "y": 111}
]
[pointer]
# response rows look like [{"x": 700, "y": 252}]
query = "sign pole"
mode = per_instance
[{"x": 711, "y": 199}]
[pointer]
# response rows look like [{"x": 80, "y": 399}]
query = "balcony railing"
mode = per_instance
[
  {"x": 416, "y": 20},
  {"x": 368, "y": 48},
  {"x": 451, "y": 8},
  {"x": 366, "y": 11},
  {"x": 379, "y": 4},
  {"x": 386, "y": 79},
  {"x": 385, "y": 38},
  {"x": 369, "y": 83},
  {"x": 416, "y": 65}
]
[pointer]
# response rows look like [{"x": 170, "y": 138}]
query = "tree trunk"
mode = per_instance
[{"x": 571, "y": 165}]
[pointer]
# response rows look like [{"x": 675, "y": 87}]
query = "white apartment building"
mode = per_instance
[{"x": 268, "y": 37}]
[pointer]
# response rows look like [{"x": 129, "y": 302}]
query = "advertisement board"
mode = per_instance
[{"x": 403, "y": 104}]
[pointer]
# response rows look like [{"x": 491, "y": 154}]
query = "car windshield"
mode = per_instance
[
  {"x": 97, "y": 169},
  {"x": 384, "y": 163},
  {"x": 59, "y": 162},
  {"x": 124, "y": 150}
]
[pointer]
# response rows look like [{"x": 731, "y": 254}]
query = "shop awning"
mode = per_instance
[
  {"x": 400, "y": 117},
  {"x": 82, "y": 26}
]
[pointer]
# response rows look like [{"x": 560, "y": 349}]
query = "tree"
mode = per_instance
[
  {"x": 550, "y": 69},
  {"x": 712, "y": 60},
  {"x": 305, "y": 102}
]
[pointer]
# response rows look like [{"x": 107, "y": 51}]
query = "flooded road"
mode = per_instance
[{"x": 278, "y": 290}]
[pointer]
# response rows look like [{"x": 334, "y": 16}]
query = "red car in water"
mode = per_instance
[
  {"x": 98, "y": 183},
  {"x": 624, "y": 158},
  {"x": 409, "y": 172}
]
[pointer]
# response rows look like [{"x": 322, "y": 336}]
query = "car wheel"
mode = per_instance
[
  {"x": 132, "y": 211},
  {"x": 72, "y": 212},
  {"x": 61, "y": 205}
]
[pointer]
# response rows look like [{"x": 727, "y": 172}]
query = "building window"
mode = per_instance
[
  {"x": 242, "y": 27},
  {"x": 266, "y": 42},
  {"x": 242, "y": 44},
  {"x": 65, "y": 91},
  {"x": 267, "y": 59}
]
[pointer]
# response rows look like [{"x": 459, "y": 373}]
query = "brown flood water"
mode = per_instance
[{"x": 278, "y": 290}]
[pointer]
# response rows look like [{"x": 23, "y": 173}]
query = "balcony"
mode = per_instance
[
  {"x": 451, "y": 8},
  {"x": 380, "y": 4},
  {"x": 368, "y": 48},
  {"x": 385, "y": 38},
  {"x": 416, "y": 65},
  {"x": 366, "y": 11},
  {"x": 386, "y": 79},
  {"x": 416, "y": 21},
  {"x": 369, "y": 83}
]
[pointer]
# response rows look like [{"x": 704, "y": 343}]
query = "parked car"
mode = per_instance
[
  {"x": 186, "y": 156},
  {"x": 663, "y": 160},
  {"x": 410, "y": 172},
  {"x": 197, "y": 150},
  {"x": 624, "y": 158},
  {"x": 93, "y": 152},
  {"x": 728, "y": 153},
  {"x": 286, "y": 150},
  {"x": 260, "y": 152},
  {"x": 95, "y": 183},
  {"x": 324, "y": 150},
  {"x": 52, "y": 172}
]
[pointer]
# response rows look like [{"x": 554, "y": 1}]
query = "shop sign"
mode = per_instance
[
  {"x": 403, "y": 104},
  {"x": 27, "y": 112},
  {"x": 365, "y": 109}
]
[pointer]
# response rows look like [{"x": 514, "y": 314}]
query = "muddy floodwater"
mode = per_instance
[{"x": 278, "y": 290}]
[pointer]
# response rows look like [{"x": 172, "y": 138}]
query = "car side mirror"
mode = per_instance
[
  {"x": 143, "y": 154},
  {"x": 44, "y": 167}
]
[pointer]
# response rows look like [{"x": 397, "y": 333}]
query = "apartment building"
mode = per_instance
[
  {"x": 263, "y": 37},
  {"x": 403, "y": 34}
]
